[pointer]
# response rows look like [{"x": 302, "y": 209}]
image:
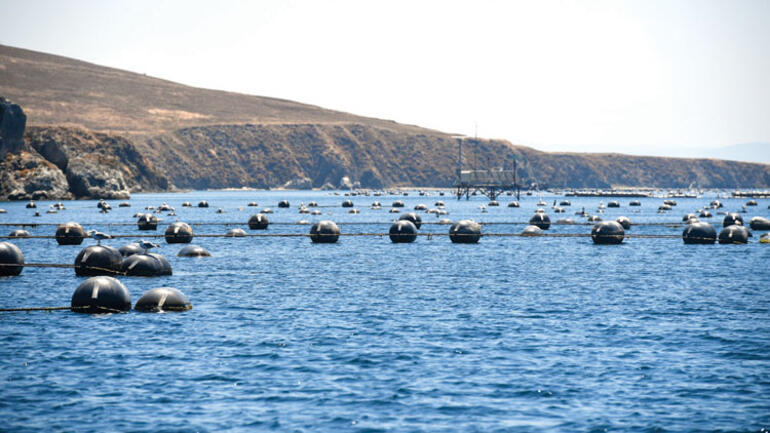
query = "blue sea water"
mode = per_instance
[{"x": 510, "y": 334}]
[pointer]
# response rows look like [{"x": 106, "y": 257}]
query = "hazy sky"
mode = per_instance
[{"x": 627, "y": 76}]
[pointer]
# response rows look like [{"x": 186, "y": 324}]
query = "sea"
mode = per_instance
[{"x": 512, "y": 334}]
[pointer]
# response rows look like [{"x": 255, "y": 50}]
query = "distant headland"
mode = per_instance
[{"x": 95, "y": 132}]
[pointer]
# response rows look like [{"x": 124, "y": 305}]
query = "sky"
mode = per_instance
[{"x": 644, "y": 77}]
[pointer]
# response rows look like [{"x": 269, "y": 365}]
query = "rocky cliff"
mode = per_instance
[
  {"x": 62, "y": 163},
  {"x": 118, "y": 131}
]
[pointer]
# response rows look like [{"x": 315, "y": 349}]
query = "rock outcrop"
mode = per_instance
[
  {"x": 27, "y": 175},
  {"x": 12, "y": 124},
  {"x": 62, "y": 163},
  {"x": 96, "y": 165}
]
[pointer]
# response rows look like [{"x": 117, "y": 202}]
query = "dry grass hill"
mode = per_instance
[{"x": 200, "y": 138}]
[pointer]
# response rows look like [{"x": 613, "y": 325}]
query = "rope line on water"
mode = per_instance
[
  {"x": 373, "y": 234},
  {"x": 64, "y": 266},
  {"x": 352, "y": 223},
  {"x": 29, "y": 309}
]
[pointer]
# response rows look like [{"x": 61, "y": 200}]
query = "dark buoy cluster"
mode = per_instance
[
  {"x": 759, "y": 223},
  {"x": 608, "y": 233},
  {"x": 10, "y": 254},
  {"x": 493, "y": 203},
  {"x": 147, "y": 221},
  {"x": 624, "y": 222},
  {"x": 324, "y": 232},
  {"x": 179, "y": 233},
  {"x": 146, "y": 265},
  {"x": 19, "y": 233},
  {"x": 283, "y": 204},
  {"x": 705, "y": 214},
  {"x": 734, "y": 234},
  {"x": 541, "y": 220},
  {"x": 98, "y": 260},
  {"x": 347, "y": 203},
  {"x": 732, "y": 218},
  {"x": 465, "y": 232},
  {"x": 203, "y": 203},
  {"x": 635, "y": 203},
  {"x": 70, "y": 233},
  {"x": 413, "y": 218},
  {"x": 613, "y": 204},
  {"x": 699, "y": 233},
  {"x": 397, "y": 203},
  {"x": 513, "y": 204},
  {"x": 163, "y": 299},
  {"x": 258, "y": 222},
  {"x": 403, "y": 231},
  {"x": 193, "y": 251},
  {"x": 99, "y": 295}
]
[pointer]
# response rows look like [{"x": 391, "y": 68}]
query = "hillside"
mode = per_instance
[{"x": 197, "y": 138}]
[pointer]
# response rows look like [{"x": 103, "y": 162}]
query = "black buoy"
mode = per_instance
[
  {"x": 70, "y": 233},
  {"x": 565, "y": 203},
  {"x": 732, "y": 218},
  {"x": 98, "y": 295},
  {"x": 163, "y": 299},
  {"x": 734, "y": 234},
  {"x": 347, "y": 203},
  {"x": 635, "y": 203},
  {"x": 465, "y": 232},
  {"x": 193, "y": 251},
  {"x": 124, "y": 204},
  {"x": 624, "y": 222},
  {"x": 130, "y": 249},
  {"x": 203, "y": 203},
  {"x": 688, "y": 217},
  {"x": 608, "y": 233},
  {"x": 594, "y": 218},
  {"x": 31, "y": 205},
  {"x": 493, "y": 203},
  {"x": 397, "y": 203},
  {"x": 531, "y": 231},
  {"x": 235, "y": 233},
  {"x": 187, "y": 204},
  {"x": 146, "y": 265},
  {"x": 413, "y": 217},
  {"x": 147, "y": 221},
  {"x": 98, "y": 260},
  {"x": 10, "y": 254},
  {"x": 541, "y": 220},
  {"x": 759, "y": 223},
  {"x": 324, "y": 232},
  {"x": 705, "y": 214},
  {"x": 403, "y": 231},
  {"x": 312, "y": 204},
  {"x": 751, "y": 203},
  {"x": 19, "y": 233},
  {"x": 179, "y": 233},
  {"x": 420, "y": 206},
  {"x": 699, "y": 233},
  {"x": 613, "y": 204},
  {"x": 258, "y": 222},
  {"x": 253, "y": 204},
  {"x": 513, "y": 204},
  {"x": 283, "y": 204}
]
